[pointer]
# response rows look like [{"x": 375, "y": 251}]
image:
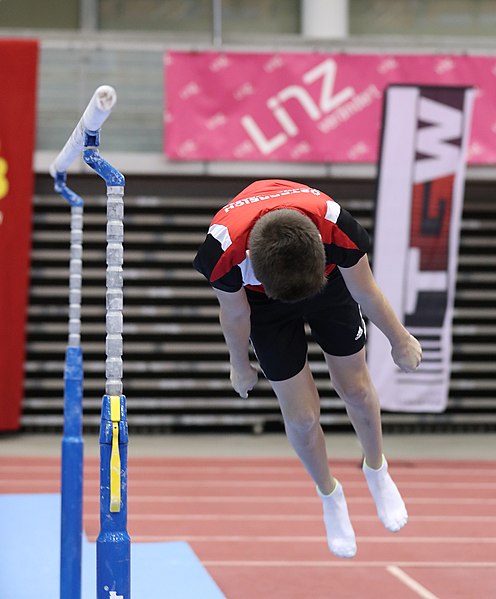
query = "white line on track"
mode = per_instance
[
  {"x": 331, "y": 563},
  {"x": 411, "y": 583},
  {"x": 262, "y": 484},
  {"x": 311, "y": 539},
  {"x": 418, "y": 470},
  {"x": 174, "y": 517},
  {"x": 306, "y": 484},
  {"x": 300, "y": 499},
  {"x": 303, "y": 499}
]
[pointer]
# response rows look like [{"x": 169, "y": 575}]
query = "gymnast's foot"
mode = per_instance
[
  {"x": 340, "y": 534},
  {"x": 390, "y": 506}
]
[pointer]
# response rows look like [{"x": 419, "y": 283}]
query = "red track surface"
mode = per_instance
[{"x": 256, "y": 524}]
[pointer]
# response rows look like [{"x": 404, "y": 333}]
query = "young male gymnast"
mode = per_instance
[{"x": 282, "y": 254}]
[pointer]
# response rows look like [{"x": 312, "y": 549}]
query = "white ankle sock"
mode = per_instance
[
  {"x": 340, "y": 534},
  {"x": 390, "y": 506}
]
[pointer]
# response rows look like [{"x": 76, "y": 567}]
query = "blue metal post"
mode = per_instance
[
  {"x": 72, "y": 477},
  {"x": 72, "y": 441},
  {"x": 113, "y": 543}
]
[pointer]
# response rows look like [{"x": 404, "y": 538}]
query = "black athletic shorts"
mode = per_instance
[{"x": 278, "y": 329}]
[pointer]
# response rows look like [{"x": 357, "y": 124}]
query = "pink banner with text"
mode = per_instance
[{"x": 306, "y": 107}]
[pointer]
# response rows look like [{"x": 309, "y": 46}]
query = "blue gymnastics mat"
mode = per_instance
[{"x": 30, "y": 554}]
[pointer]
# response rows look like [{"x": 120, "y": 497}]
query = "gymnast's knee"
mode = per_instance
[{"x": 302, "y": 424}]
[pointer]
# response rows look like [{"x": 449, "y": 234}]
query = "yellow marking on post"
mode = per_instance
[
  {"x": 115, "y": 408},
  {"x": 115, "y": 458}
]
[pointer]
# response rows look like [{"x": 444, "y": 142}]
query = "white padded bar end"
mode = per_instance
[
  {"x": 99, "y": 107},
  {"x": 96, "y": 113}
]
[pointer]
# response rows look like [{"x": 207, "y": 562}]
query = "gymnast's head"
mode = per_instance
[{"x": 287, "y": 255}]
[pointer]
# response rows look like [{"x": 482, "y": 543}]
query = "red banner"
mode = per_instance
[
  {"x": 18, "y": 69},
  {"x": 306, "y": 107}
]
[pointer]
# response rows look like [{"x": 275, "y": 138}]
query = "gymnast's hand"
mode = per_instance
[
  {"x": 243, "y": 380},
  {"x": 407, "y": 354}
]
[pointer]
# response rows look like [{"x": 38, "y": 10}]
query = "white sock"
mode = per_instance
[
  {"x": 340, "y": 534},
  {"x": 390, "y": 506}
]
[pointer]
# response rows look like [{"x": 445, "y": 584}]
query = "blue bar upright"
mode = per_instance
[
  {"x": 113, "y": 549},
  {"x": 72, "y": 477}
]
